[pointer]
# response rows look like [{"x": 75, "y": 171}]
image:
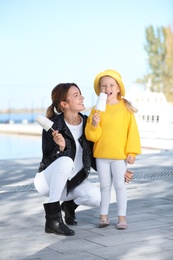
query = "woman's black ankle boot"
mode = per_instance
[
  {"x": 54, "y": 222},
  {"x": 69, "y": 208}
]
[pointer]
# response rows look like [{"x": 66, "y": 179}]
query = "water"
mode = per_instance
[
  {"x": 27, "y": 146},
  {"x": 24, "y": 147},
  {"x": 20, "y": 147},
  {"x": 18, "y": 118}
]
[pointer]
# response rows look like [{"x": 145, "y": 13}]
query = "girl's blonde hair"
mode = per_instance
[{"x": 129, "y": 106}]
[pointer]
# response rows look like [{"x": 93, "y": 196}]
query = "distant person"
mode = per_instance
[
  {"x": 66, "y": 161},
  {"x": 116, "y": 143}
]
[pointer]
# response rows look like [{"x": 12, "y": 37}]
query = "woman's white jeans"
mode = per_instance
[
  {"x": 52, "y": 183},
  {"x": 112, "y": 171}
]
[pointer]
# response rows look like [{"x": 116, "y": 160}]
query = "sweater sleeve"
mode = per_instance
[
  {"x": 92, "y": 133},
  {"x": 133, "y": 146}
]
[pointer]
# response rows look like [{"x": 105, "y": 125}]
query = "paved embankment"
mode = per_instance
[
  {"x": 149, "y": 140},
  {"x": 24, "y": 129},
  {"x": 149, "y": 215}
]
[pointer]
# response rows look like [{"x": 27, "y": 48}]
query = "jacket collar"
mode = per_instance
[{"x": 61, "y": 125}]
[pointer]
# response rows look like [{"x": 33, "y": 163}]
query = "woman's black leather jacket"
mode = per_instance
[{"x": 51, "y": 150}]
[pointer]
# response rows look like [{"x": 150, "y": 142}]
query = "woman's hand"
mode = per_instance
[
  {"x": 95, "y": 119},
  {"x": 59, "y": 140},
  {"x": 128, "y": 176}
]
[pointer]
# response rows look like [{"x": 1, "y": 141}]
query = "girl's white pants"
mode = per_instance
[
  {"x": 52, "y": 181},
  {"x": 112, "y": 172}
]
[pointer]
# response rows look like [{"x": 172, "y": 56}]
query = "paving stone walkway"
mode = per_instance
[{"x": 150, "y": 217}]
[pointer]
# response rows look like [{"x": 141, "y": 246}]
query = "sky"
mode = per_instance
[{"x": 46, "y": 42}]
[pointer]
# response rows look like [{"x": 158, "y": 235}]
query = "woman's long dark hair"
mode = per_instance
[{"x": 59, "y": 93}]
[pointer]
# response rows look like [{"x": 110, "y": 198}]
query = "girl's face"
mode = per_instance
[
  {"x": 74, "y": 100},
  {"x": 110, "y": 87}
]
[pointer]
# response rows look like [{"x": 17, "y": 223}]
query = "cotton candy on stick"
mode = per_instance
[
  {"x": 44, "y": 122},
  {"x": 101, "y": 102}
]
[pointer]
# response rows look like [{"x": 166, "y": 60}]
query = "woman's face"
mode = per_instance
[
  {"x": 110, "y": 87},
  {"x": 74, "y": 100}
]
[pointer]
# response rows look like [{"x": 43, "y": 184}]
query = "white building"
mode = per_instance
[
  {"x": 154, "y": 118},
  {"x": 152, "y": 107}
]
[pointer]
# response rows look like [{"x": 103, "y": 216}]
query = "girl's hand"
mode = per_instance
[
  {"x": 59, "y": 140},
  {"x": 95, "y": 119},
  {"x": 130, "y": 159}
]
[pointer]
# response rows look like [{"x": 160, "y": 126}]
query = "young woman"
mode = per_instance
[
  {"x": 116, "y": 142},
  {"x": 66, "y": 161}
]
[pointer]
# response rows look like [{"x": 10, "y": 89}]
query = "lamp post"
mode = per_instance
[
  {"x": 32, "y": 111},
  {"x": 42, "y": 104},
  {"x": 9, "y": 110}
]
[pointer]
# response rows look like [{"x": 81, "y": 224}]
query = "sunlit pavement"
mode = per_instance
[{"x": 150, "y": 216}]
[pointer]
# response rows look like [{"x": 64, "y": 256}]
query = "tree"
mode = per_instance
[
  {"x": 168, "y": 75},
  {"x": 159, "y": 48}
]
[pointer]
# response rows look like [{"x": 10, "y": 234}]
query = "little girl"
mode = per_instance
[{"x": 116, "y": 143}]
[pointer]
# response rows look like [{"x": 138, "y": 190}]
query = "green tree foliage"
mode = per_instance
[
  {"x": 159, "y": 48},
  {"x": 168, "y": 75}
]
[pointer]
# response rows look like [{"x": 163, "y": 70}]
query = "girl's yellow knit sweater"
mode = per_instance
[{"x": 117, "y": 134}]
